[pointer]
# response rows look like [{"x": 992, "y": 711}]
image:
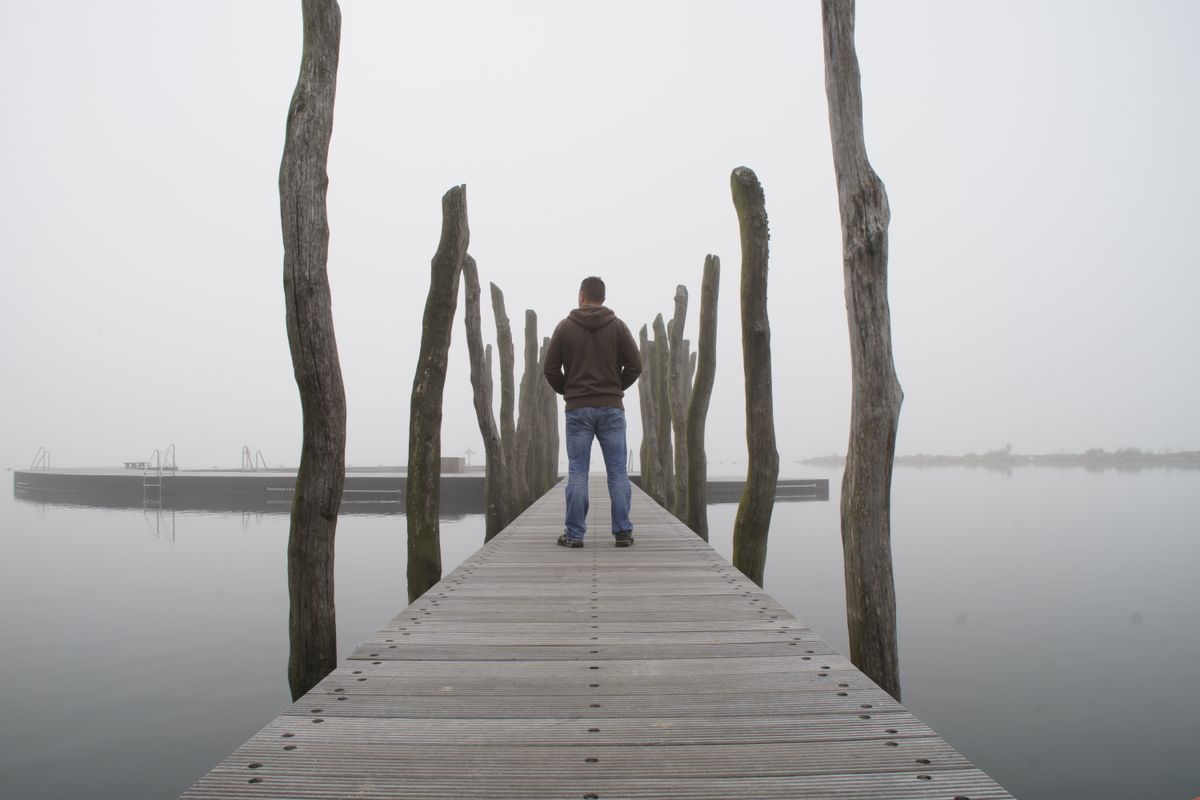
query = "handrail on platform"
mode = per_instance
[{"x": 41, "y": 459}]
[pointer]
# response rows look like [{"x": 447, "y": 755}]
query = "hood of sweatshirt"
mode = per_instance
[{"x": 592, "y": 317}]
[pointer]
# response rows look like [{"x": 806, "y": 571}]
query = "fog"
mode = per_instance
[{"x": 1040, "y": 160}]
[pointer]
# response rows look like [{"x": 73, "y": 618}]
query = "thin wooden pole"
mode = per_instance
[
  {"x": 753, "y": 521},
  {"x": 425, "y": 417},
  {"x": 495, "y": 491},
  {"x": 705, "y": 366},
  {"x": 508, "y": 425},
  {"x": 550, "y": 426},
  {"x": 303, "y": 181},
  {"x": 677, "y": 391},
  {"x": 659, "y": 383},
  {"x": 876, "y": 394},
  {"x": 648, "y": 453},
  {"x": 526, "y": 422}
]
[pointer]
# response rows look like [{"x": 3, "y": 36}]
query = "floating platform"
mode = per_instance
[{"x": 367, "y": 491}]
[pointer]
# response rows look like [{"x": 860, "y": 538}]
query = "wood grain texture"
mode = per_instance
[
  {"x": 537, "y": 671},
  {"x": 678, "y": 391},
  {"x": 429, "y": 382},
  {"x": 508, "y": 425},
  {"x": 705, "y": 370},
  {"x": 660, "y": 382},
  {"x": 875, "y": 390},
  {"x": 648, "y": 450},
  {"x": 303, "y": 182},
  {"x": 496, "y": 475},
  {"x": 753, "y": 520}
]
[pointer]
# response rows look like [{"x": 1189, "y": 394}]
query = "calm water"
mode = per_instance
[{"x": 1049, "y": 627}]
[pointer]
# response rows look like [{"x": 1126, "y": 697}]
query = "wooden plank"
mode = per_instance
[{"x": 654, "y": 671}]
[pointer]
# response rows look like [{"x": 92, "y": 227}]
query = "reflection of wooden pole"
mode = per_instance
[
  {"x": 705, "y": 364},
  {"x": 495, "y": 492},
  {"x": 753, "y": 519},
  {"x": 425, "y": 418},
  {"x": 677, "y": 391},
  {"x": 662, "y": 414},
  {"x": 303, "y": 180},
  {"x": 648, "y": 453},
  {"x": 508, "y": 426},
  {"x": 876, "y": 393}
]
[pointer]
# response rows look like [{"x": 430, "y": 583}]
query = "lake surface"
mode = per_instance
[{"x": 1049, "y": 627}]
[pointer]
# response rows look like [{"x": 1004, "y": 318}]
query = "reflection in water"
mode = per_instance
[
  {"x": 1033, "y": 610},
  {"x": 454, "y": 505}
]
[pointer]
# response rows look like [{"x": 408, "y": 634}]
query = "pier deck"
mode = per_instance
[{"x": 537, "y": 671}]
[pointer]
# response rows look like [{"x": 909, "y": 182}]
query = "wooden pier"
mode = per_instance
[{"x": 538, "y": 671}]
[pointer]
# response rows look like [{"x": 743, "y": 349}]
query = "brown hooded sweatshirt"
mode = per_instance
[{"x": 592, "y": 359}]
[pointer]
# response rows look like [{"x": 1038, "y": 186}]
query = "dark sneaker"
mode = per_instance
[
  {"x": 624, "y": 538},
  {"x": 567, "y": 541}
]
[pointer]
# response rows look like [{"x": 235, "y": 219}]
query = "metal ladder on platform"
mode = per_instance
[
  {"x": 152, "y": 490},
  {"x": 252, "y": 462}
]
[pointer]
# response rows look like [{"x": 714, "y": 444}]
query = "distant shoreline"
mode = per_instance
[{"x": 1128, "y": 458}]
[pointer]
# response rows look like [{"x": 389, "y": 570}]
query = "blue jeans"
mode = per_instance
[{"x": 608, "y": 426}]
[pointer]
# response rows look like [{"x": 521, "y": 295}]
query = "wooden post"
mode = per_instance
[
  {"x": 508, "y": 426},
  {"x": 677, "y": 392},
  {"x": 648, "y": 453},
  {"x": 660, "y": 382},
  {"x": 705, "y": 365},
  {"x": 526, "y": 421},
  {"x": 425, "y": 417},
  {"x": 550, "y": 409},
  {"x": 691, "y": 376},
  {"x": 753, "y": 520},
  {"x": 537, "y": 442},
  {"x": 496, "y": 474},
  {"x": 876, "y": 394},
  {"x": 303, "y": 181}
]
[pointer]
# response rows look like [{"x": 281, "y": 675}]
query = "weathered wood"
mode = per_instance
[
  {"x": 691, "y": 377},
  {"x": 527, "y": 421},
  {"x": 551, "y": 442},
  {"x": 706, "y": 359},
  {"x": 876, "y": 394},
  {"x": 648, "y": 452},
  {"x": 495, "y": 476},
  {"x": 425, "y": 417},
  {"x": 753, "y": 520},
  {"x": 660, "y": 385},
  {"x": 303, "y": 182},
  {"x": 508, "y": 424},
  {"x": 677, "y": 391},
  {"x": 487, "y": 370},
  {"x": 536, "y": 671}
]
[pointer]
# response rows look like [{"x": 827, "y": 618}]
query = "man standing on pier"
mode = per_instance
[{"x": 592, "y": 359}]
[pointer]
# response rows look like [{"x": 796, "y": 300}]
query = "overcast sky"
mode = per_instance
[{"x": 1040, "y": 158}]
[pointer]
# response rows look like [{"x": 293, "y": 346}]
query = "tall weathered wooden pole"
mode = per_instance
[
  {"x": 753, "y": 520},
  {"x": 677, "y": 394},
  {"x": 659, "y": 384},
  {"x": 425, "y": 417},
  {"x": 876, "y": 394},
  {"x": 706, "y": 370},
  {"x": 508, "y": 424},
  {"x": 550, "y": 426},
  {"x": 526, "y": 420},
  {"x": 495, "y": 489},
  {"x": 648, "y": 453},
  {"x": 303, "y": 181}
]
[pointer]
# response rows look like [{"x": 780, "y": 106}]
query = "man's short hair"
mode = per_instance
[{"x": 592, "y": 289}]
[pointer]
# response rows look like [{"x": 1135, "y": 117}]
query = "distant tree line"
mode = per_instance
[{"x": 1005, "y": 458}]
